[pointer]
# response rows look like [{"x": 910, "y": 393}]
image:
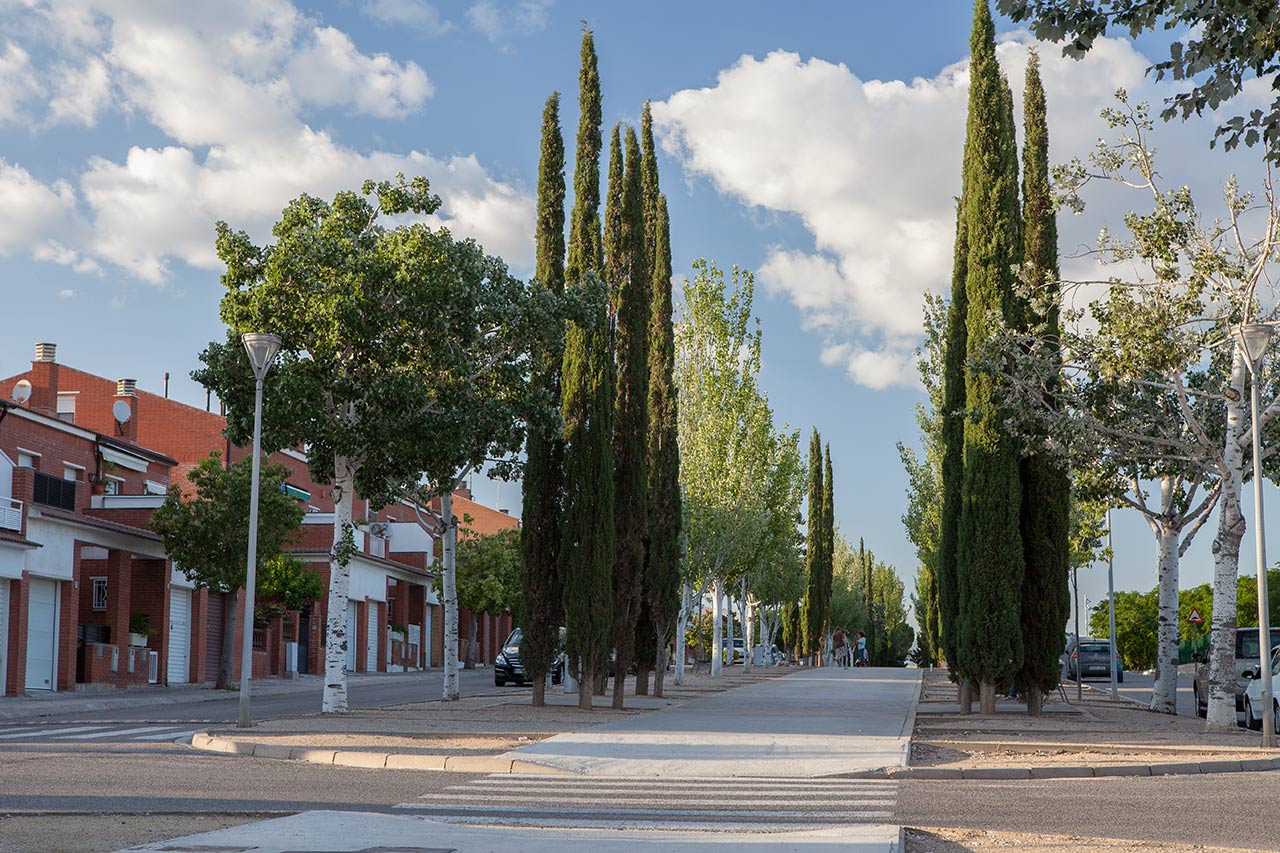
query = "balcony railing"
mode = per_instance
[
  {"x": 10, "y": 514},
  {"x": 55, "y": 492}
]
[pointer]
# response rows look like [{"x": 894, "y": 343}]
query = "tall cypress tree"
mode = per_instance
[
  {"x": 586, "y": 391},
  {"x": 953, "y": 407},
  {"x": 1046, "y": 486},
  {"x": 990, "y": 562},
  {"x": 866, "y": 560},
  {"x": 665, "y": 515},
  {"x": 811, "y": 607},
  {"x": 828, "y": 539},
  {"x": 631, "y": 413},
  {"x": 542, "y": 611}
]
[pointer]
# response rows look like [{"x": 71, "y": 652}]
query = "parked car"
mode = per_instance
[
  {"x": 739, "y": 652},
  {"x": 507, "y": 666},
  {"x": 1253, "y": 694},
  {"x": 1248, "y": 656},
  {"x": 1091, "y": 657}
]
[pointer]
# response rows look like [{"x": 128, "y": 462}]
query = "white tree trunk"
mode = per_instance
[
  {"x": 748, "y": 626},
  {"x": 728, "y": 612},
  {"x": 682, "y": 619},
  {"x": 450, "y": 554},
  {"x": 570, "y": 679},
  {"x": 334, "y": 697},
  {"x": 717, "y": 627},
  {"x": 1221, "y": 703},
  {"x": 1164, "y": 698}
]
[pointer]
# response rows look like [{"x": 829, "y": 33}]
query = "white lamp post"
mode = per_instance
[
  {"x": 1111, "y": 610},
  {"x": 262, "y": 349},
  {"x": 1255, "y": 338}
]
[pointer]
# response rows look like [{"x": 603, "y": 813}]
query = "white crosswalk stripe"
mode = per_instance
[
  {"x": 722, "y": 804},
  {"x": 105, "y": 732}
]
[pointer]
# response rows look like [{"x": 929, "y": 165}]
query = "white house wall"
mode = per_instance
[
  {"x": 56, "y": 560},
  {"x": 367, "y": 582}
]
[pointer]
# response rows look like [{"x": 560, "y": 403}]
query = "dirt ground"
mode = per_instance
[
  {"x": 978, "y": 841},
  {"x": 98, "y": 832}
]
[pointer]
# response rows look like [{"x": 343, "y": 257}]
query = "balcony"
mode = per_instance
[
  {"x": 10, "y": 514},
  {"x": 55, "y": 492}
]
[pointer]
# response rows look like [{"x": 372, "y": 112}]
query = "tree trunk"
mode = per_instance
[
  {"x": 473, "y": 641},
  {"x": 540, "y": 691},
  {"x": 226, "y": 665},
  {"x": 1221, "y": 714},
  {"x": 570, "y": 681},
  {"x": 964, "y": 694},
  {"x": 584, "y": 687},
  {"x": 1164, "y": 698},
  {"x": 660, "y": 673},
  {"x": 682, "y": 619},
  {"x": 449, "y": 556},
  {"x": 987, "y": 694},
  {"x": 729, "y": 647},
  {"x": 1035, "y": 701},
  {"x": 717, "y": 628},
  {"x": 336, "y": 639},
  {"x": 748, "y": 628}
]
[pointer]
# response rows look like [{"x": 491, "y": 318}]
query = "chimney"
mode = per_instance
[
  {"x": 126, "y": 392},
  {"x": 44, "y": 380}
]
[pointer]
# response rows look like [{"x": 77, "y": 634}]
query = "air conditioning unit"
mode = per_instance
[{"x": 381, "y": 529}]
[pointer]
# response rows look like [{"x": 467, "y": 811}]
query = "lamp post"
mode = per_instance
[
  {"x": 262, "y": 349},
  {"x": 1255, "y": 338},
  {"x": 1111, "y": 610}
]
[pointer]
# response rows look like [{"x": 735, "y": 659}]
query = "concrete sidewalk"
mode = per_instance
[{"x": 809, "y": 723}]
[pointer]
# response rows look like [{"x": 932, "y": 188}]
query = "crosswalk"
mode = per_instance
[
  {"x": 99, "y": 732},
  {"x": 634, "y": 802}
]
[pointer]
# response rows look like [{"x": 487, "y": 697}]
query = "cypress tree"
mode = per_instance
[
  {"x": 953, "y": 407},
  {"x": 662, "y": 553},
  {"x": 586, "y": 391},
  {"x": 631, "y": 414},
  {"x": 990, "y": 560},
  {"x": 811, "y": 607},
  {"x": 868, "y": 599},
  {"x": 1046, "y": 486},
  {"x": 544, "y": 449},
  {"x": 828, "y": 540}
]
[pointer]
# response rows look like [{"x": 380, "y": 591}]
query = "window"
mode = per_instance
[
  {"x": 67, "y": 408},
  {"x": 71, "y": 472},
  {"x": 112, "y": 486},
  {"x": 27, "y": 458},
  {"x": 99, "y": 593}
]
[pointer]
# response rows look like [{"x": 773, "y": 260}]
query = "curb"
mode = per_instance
[
  {"x": 1106, "y": 748},
  {"x": 376, "y": 760},
  {"x": 1189, "y": 768}
]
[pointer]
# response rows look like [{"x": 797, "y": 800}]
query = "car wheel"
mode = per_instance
[
  {"x": 499, "y": 682},
  {"x": 1120, "y": 678},
  {"x": 1249, "y": 721},
  {"x": 1275, "y": 719},
  {"x": 1202, "y": 710},
  {"x": 520, "y": 682}
]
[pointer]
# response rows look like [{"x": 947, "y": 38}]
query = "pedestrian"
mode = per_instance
[
  {"x": 862, "y": 648},
  {"x": 839, "y": 645}
]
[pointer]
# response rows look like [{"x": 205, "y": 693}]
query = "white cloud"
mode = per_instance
[
  {"x": 872, "y": 168},
  {"x": 418, "y": 14},
  {"x": 498, "y": 21},
  {"x": 81, "y": 94},
  {"x": 228, "y": 87},
  {"x": 331, "y": 72},
  {"x": 18, "y": 82},
  {"x": 66, "y": 294}
]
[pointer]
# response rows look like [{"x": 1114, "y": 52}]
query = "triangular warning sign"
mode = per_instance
[{"x": 1194, "y": 616}]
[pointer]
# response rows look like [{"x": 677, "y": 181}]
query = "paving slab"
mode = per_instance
[
  {"x": 356, "y": 832},
  {"x": 809, "y": 723}
]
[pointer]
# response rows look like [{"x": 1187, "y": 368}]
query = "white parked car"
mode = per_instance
[{"x": 1253, "y": 694}]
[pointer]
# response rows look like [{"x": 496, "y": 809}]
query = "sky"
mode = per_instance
[{"x": 816, "y": 144}]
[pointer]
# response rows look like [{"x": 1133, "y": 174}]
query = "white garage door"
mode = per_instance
[
  {"x": 371, "y": 656},
  {"x": 4, "y": 633},
  {"x": 179, "y": 636},
  {"x": 351, "y": 636},
  {"x": 42, "y": 635}
]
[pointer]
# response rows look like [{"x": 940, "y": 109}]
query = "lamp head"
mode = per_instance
[
  {"x": 1255, "y": 338},
  {"x": 262, "y": 348}
]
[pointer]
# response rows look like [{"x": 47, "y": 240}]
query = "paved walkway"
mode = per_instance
[{"x": 810, "y": 723}]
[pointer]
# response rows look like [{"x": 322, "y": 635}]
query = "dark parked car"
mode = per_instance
[
  {"x": 507, "y": 666},
  {"x": 1248, "y": 656},
  {"x": 1091, "y": 658}
]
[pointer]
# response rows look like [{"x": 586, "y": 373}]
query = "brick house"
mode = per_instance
[{"x": 392, "y": 573}]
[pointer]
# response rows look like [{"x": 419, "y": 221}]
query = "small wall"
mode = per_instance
[{"x": 120, "y": 666}]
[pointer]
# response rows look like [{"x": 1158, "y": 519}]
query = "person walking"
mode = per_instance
[
  {"x": 862, "y": 649},
  {"x": 839, "y": 647}
]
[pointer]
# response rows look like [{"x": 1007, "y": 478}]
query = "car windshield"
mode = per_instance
[
  {"x": 514, "y": 639},
  {"x": 1247, "y": 642}
]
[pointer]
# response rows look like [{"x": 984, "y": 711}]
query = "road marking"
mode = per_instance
[
  {"x": 118, "y": 733},
  {"x": 170, "y": 735},
  {"x": 708, "y": 813},
  {"x": 724, "y": 802},
  {"x": 761, "y": 826},
  {"x": 41, "y": 732}
]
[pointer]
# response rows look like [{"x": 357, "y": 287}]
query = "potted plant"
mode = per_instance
[{"x": 140, "y": 629}]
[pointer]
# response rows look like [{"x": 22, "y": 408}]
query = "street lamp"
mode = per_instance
[
  {"x": 262, "y": 349},
  {"x": 1255, "y": 338}
]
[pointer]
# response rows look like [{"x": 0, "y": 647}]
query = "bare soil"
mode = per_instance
[
  {"x": 980, "y": 841},
  {"x": 97, "y": 832}
]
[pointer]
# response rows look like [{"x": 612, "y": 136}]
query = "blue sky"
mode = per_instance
[{"x": 815, "y": 143}]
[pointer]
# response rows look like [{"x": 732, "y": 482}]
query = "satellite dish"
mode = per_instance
[
  {"x": 122, "y": 411},
  {"x": 22, "y": 391}
]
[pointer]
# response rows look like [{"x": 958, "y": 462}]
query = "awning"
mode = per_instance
[
  {"x": 124, "y": 460},
  {"x": 295, "y": 492}
]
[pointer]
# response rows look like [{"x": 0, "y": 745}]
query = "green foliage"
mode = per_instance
[
  {"x": 140, "y": 623},
  {"x": 951, "y": 449},
  {"x": 813, "y": 606},
  {"x": 586, "y": 255},
  {"x": 540, "y": 605},
  {"x": 489, "y": 572},
  {"x": 1233, "y": 41},
  {"x": 207, "y": 535},
  {"x": 283, "y": 585}
]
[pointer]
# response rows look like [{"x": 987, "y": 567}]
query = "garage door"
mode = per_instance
[
  {"x": 213, "y": 635},
  {"x": 179, "y": 636},
  {"x": 371, "y": 657},
  {"x": 4, "y": 633},
  {"x": 42, "y": 635},
  {"x": 351, "y": 636}
]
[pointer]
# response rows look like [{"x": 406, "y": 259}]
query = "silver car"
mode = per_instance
[
  {"x": 1248, "y": 657},
  {"x": 1091, "y": 658}
]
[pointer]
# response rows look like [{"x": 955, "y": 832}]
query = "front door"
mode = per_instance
[
  {"x": 4, "y": 634},
  {"x": 42, "y": 635},
  {"x": 179, "y": 636},
  {"x": 351, "y": 636},
  {"x": 371, "y": 651}
]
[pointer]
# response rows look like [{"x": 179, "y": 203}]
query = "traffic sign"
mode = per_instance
[{"x": 1194, "y": 616}]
